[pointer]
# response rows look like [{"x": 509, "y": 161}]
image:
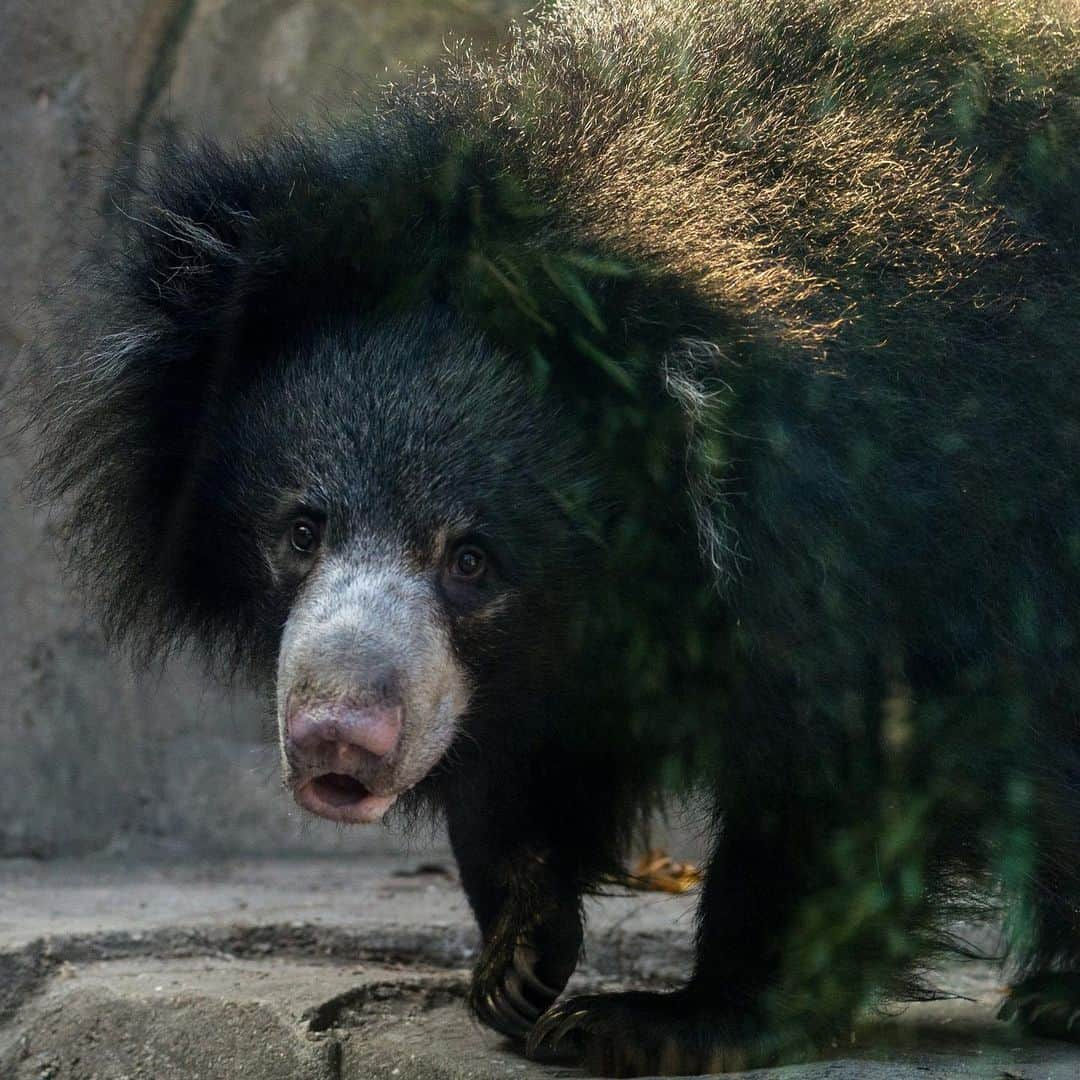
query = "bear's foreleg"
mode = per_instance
[{"x": 526, "y": 899}]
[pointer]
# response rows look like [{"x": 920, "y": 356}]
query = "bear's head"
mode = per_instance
[
  {"x": 389, "y": 494},
  {"x": 307, "y": 422}
]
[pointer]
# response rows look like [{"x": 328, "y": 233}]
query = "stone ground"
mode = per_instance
[{"x": 334, "y": 970}]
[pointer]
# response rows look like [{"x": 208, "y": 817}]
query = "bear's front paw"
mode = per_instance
[
  {"x": 1047, "y": 1005},
  {"x": 522, "y": 971},
  {"x": 508, "y": 995},
  {"x": 650, "y": 1034}
]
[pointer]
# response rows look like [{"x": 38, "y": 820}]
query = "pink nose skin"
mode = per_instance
[
  {"x": 336, "y": 748},
  {"x": 316, "y": 729}
]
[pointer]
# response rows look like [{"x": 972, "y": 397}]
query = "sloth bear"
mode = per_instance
[{"x": 687, "y": 396}]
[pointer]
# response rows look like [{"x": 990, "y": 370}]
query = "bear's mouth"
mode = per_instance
[
  {"x": 339, "y": 789},
  {"x": 341, "y": 797}
]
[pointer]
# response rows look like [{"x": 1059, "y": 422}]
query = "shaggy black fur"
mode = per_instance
[{"x": 750, "y": 338}]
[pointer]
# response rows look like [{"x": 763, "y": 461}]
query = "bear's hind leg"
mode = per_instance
[
  {"x": 767, "y": 864},
  {"x": 1045, "y": 1001}
]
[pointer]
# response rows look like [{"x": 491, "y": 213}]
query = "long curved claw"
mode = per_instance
[
  {"x": 525, "y": 965},
  {"x": 553, "y": 1027},
  {"x": 521, "y": 1024},
  {"x": 1013, "y": 1005},
  {"x": 1048, "y": 1008},
  {"x": 543, "y": 1028},
  {"x": 499, "y": 1014},
  {"x": 514, "y": 990}
]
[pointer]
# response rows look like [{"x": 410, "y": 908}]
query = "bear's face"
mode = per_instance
[{"x": 399, "y": 487}]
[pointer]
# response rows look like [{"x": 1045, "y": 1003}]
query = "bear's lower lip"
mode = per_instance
[{"x": 343, "y": 798}]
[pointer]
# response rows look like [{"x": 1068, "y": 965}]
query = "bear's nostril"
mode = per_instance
[{"x": 335, "y": 728}]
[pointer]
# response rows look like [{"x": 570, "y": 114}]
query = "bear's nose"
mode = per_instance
[{"x": 338, "y": 737}]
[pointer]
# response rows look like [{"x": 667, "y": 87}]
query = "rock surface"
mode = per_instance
[{"x": 346, "y": 970}]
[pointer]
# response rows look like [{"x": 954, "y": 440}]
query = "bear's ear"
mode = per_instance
[
  {"x": 178, "y": 230},
  {"x": 122, "y": 399}
]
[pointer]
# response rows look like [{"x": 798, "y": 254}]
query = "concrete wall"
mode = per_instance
[{"x": 91, "y": 759}]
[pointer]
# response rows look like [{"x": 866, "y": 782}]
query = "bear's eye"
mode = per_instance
[
  {"x": 468, "y": 562},
  {"x": 304, "y": 536}
]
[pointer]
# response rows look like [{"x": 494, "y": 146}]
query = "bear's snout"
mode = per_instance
[
  {"x": 336, "y": 752},
  {"x": 369, "y": 687}
]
